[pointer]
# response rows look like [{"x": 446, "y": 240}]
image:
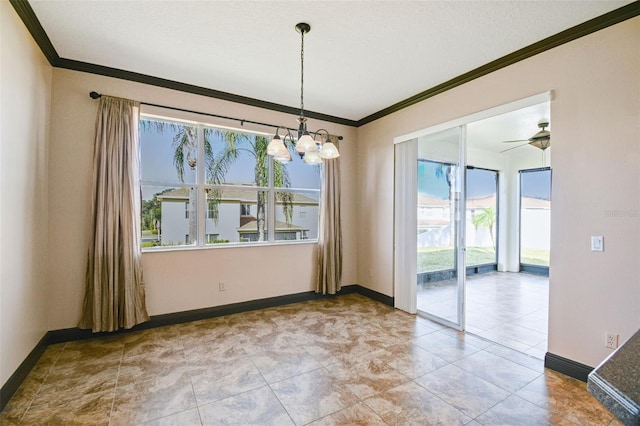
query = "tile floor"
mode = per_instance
[
  {"x": 504, "y": 307},
  {"x": 337, "y": 361}
]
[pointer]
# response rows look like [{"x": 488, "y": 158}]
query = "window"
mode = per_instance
[
  {"x": 482, "y": 215},
  {"x": 203, "y": 185},
  {"x": 212, "y": 238},
  {"x": 212, "y": 210},
  {"x": 535, "y": 220}
]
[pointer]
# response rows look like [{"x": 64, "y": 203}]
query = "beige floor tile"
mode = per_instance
[
  {"x": 92, "y": 351},
  {"x": 463, "y": 390},
  {"x": 152, "y": 399},
  {"x": 517, "y": 411},
  {"x": 367, "y": 377},
  {"x": 257, "y": 407},
  {"x": 199, "y": 353},
  {"x": 410, "y": 404},
  {"x": 185, "y": 418},
  {"x": 446, "y": 346},
  {"x": 501, "y": 372},
  {"x": 523, "y": 359},
  {"x": 567, "y": 397},
  {"x": 157, "y": 363},
  {"x": 356, "y": 415},
  {"x": 21, "y": 400},
  {"x": 411, "y": 360},
  {"x": 91, "y": 409},
  {"x": 339, "y": 360},
  {"x": 65, "y": 383},
  {"x": 277, "y": 365},
  {"x": 311, "y": 396},
  {"x": 224, "y": 379}
]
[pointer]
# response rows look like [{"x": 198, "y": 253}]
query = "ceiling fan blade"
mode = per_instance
[
  {"x": 524, "y": 144},
  {"x": 519, "y": 140}
]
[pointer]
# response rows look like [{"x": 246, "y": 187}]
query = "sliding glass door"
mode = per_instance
[{"x": 440, "y": 227}]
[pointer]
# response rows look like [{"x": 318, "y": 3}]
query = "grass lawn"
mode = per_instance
[
  {"x": 439, "y": 258},
  {"x": 535, "y": 257}
]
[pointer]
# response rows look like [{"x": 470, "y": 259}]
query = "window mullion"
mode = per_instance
[
  {"x": 271, "y": 203},
  {"x": 201, "y": 214}
]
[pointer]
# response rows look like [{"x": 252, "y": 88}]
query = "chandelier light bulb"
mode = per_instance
[
  {"x": 275, "y": 145},
  {"x": 312, "y": 157},
  {"x": 306, "y": 144},
  {"x": 329, "y": 151}
]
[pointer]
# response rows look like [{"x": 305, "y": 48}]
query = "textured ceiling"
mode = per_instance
[{"x": 360, "y": 56}]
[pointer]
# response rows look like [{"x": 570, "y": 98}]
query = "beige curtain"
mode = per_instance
[
  {"x": 114, "y": 296},
  {"x": 330, "y": 232}
]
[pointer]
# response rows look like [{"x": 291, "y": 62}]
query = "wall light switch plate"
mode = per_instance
[{"x": 597, "y": 243}]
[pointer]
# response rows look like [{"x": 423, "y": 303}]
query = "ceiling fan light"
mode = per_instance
[{"x": 542, "y": 143}]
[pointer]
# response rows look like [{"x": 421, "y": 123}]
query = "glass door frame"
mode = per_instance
[
  {"x": 405, "y": 223},
  {"x": 460, "y": 233}
]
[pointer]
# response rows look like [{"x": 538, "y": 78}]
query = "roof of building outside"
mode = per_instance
[
  {"x": 425, "y": 200},
  {"x": 248, "y": 196},
  {"x": 252, "y": 226}
]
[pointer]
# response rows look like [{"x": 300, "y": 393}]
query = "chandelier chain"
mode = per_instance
[{"x": 302, "y": 74}]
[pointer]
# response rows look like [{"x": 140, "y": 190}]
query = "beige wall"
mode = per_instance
[
  {"x": 595, "y": 110},
  {"x": 175, "y": 280},
  {"x": 25, "y": 93}
]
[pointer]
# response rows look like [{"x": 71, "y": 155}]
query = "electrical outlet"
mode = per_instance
[
  {"x": 611, "y": 341},
  {"x": 221, "y": 286}
]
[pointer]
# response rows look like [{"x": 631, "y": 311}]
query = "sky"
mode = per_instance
[
  {"x": 480, "y": 182},
  {"x": 536, "y": 184}
]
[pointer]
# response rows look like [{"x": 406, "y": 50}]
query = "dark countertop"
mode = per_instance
[{"x": 616, "y": 382}]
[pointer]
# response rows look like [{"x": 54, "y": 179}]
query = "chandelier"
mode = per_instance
[{"x": 311, "y": 150}]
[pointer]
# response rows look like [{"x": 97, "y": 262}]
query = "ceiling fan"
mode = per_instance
[{"x": 541, "y": 140}]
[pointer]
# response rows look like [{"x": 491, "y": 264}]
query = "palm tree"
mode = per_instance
[
  {"x": 447, "y": 171},
  {"x": 185, "y": 142},
  {"x": 185, "y": 149},
  {"x": 255, "y": 145},
  {"x": 486, "y": 219}
]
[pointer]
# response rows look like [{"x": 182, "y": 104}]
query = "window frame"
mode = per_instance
[{"x": 202, "y": 203}]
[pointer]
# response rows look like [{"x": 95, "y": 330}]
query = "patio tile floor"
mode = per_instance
[{"x": 508, "y": 308}]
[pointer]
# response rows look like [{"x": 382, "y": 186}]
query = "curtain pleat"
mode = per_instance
[
  {"x": 114, "y": 296},
  {"x": 330, "y": 232}
]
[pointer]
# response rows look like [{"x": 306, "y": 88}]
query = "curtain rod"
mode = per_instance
[{"x": 96, "y": 95}]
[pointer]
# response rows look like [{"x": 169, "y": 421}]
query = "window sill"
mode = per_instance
[{"x": 226, "y": 245}]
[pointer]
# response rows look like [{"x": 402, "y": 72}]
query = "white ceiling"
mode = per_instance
[
  {"x": 491, "y": 133},
  {"x": 360, "y": 56}
]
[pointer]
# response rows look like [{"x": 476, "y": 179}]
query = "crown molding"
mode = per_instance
[
  {"x": 28, "y": 16},
  {"x": 30, "y": 20},
  {"x": 596, "y": 24},
  {"x": 189, "y": 88}
]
